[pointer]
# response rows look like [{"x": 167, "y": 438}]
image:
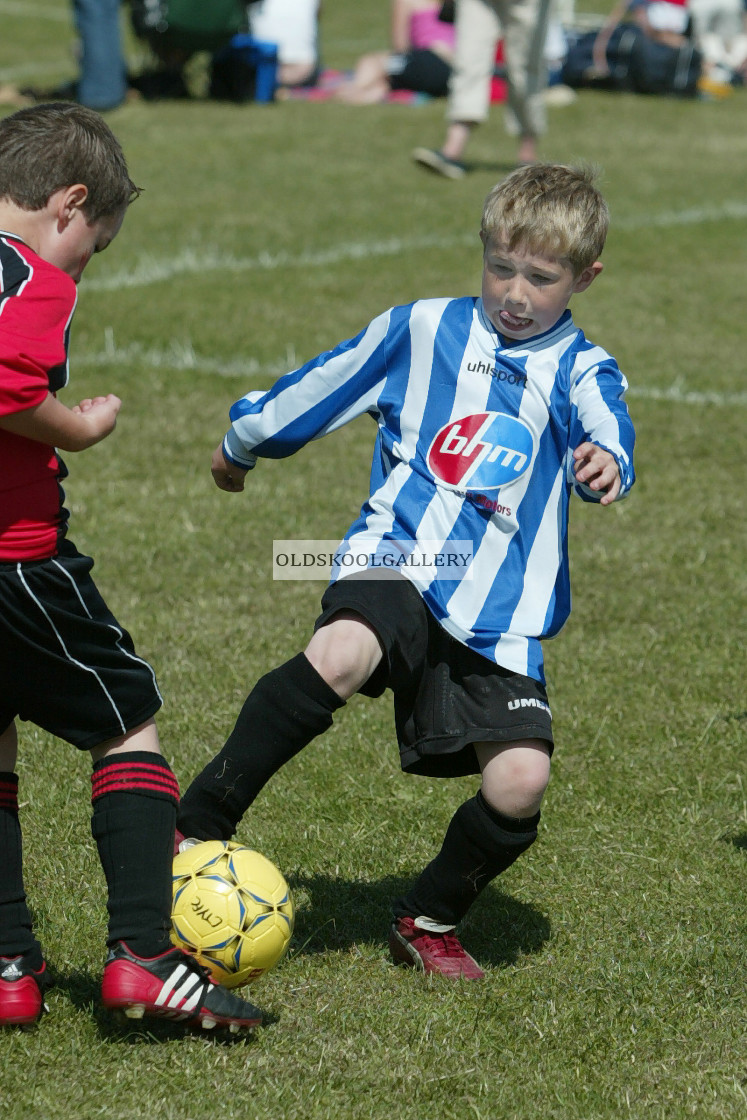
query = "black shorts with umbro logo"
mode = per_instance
[{"x": 446, "y": 696}]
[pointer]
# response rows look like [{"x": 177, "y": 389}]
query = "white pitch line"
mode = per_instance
[
  {"x": 154, "y": 270},
  {"x": 35, "y": 11},
  {"x": 30, "y": 70},
  {"x": 695, "y": 215},
  {"x": 181, "y": 355},
  {"x": 678, "y": 394}
]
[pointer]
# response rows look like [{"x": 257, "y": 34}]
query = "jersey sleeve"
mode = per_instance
[
  {"x": 304, "y": 405},
  {"x": 600, "y": 415},
  {"x": 33, "y": 359},
  {"x": 22, "y": 384}
]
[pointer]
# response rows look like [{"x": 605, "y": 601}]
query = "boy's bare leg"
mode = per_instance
[
  {"x": 345, "y": 652},
  {"x": 514, "y": 775},
  {"x": 142, "y": 738}
]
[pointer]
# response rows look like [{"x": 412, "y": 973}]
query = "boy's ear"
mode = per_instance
[
  {"x": 582, "y": 282},
  {"x": 69, "y": 200}
]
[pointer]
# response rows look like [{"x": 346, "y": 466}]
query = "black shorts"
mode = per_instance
[
  {"x": 421, "y": 71},
  {"x": 65, "y": 662},
  {"x": 446, "y": 696}
]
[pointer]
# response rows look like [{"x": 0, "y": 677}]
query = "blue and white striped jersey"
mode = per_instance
[{"x": 474, "y": 443}]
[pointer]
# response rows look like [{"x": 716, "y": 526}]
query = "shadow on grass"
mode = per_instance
[
  {"x": 83, "y": 992},
  {"x": 337, "y": 913},
  {"x": 739, "y": 841},
  {"x": 495, "y": 167},
  {"x": 334, "y": 914}
]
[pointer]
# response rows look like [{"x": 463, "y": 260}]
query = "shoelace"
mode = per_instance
[
  {"x": 196, "y": 966},
  {"x": 442, "y": 945}
]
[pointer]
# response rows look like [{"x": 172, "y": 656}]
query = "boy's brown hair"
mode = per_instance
[
  {"x": 551, "y": 209},
  {"x": 46, "y": 148}
]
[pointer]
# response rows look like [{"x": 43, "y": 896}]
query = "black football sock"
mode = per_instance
[
  {"x": 479, "y": 844},
  {"x": 134, "y": 797},
  {"x": 285, "y": 710},
  {"x": 16, "y": 934}
]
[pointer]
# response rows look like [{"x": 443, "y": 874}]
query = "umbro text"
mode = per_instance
[{"x": 529, "y": 702}]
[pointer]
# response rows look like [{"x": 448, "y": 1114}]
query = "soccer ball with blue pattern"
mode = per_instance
[{"x": 232, "y": 910}]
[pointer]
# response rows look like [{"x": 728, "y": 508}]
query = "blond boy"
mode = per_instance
[{"x": 490, "y": 411}]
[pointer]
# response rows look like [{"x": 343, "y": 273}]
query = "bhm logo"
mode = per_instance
[{"x": 483, "y": 451}]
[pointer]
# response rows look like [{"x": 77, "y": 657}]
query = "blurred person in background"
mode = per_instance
[
  {"x": 479, "y": 25},
  {"x": 420, "y": 58},
  {"x": 293, "y": 25},
  {"x": 101, "y": 83}
]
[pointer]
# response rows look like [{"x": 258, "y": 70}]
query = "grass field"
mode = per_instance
[{"x": 616, "y": 948}]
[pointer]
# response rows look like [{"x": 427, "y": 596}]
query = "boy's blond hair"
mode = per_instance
[
  {"x": 46, "y": 148},
  {"x": 550, "y": 209}
]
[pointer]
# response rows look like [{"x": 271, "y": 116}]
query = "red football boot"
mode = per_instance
[
  {"x": 22, "y": 991},
  {"x": 432, "y": 952},
  {"x": 172, "y": 986}
]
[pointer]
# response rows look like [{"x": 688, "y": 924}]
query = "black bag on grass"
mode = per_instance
[{"x": 637, "y": 64}]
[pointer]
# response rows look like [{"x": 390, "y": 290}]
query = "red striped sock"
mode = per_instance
[{"x": 135, "y": 797}]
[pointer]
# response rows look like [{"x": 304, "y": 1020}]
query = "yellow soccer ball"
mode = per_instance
[{"x": 232, "y": 910}]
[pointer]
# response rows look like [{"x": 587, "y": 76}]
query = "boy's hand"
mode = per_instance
[
  {"x": 69, "y": 429},
  {"x": 598, "y": 470},
  {"x": 99, "y": 415},
  {"x": 102, "y": 410},
  {"x": 89, "y": 402},
  {"x": 227, "y": 475}
]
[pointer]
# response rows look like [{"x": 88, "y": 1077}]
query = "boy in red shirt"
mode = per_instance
[{"x": 65, "y": 663}]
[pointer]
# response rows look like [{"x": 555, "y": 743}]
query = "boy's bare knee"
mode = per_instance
[
  {"x": 514, "y": 776},
  {"x": 345, "y": 652}
]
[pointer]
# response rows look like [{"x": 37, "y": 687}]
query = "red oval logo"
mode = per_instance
[{"x": 483, "y": 451}]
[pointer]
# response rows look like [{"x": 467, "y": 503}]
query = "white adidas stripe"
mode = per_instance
[
  {"x": 182, "y": 990},
  {"x": 168, "y": 986},
  {"x": 182, "y": 997}
]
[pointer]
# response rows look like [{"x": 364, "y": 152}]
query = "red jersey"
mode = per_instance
[{"x": 37, "y": 301}]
